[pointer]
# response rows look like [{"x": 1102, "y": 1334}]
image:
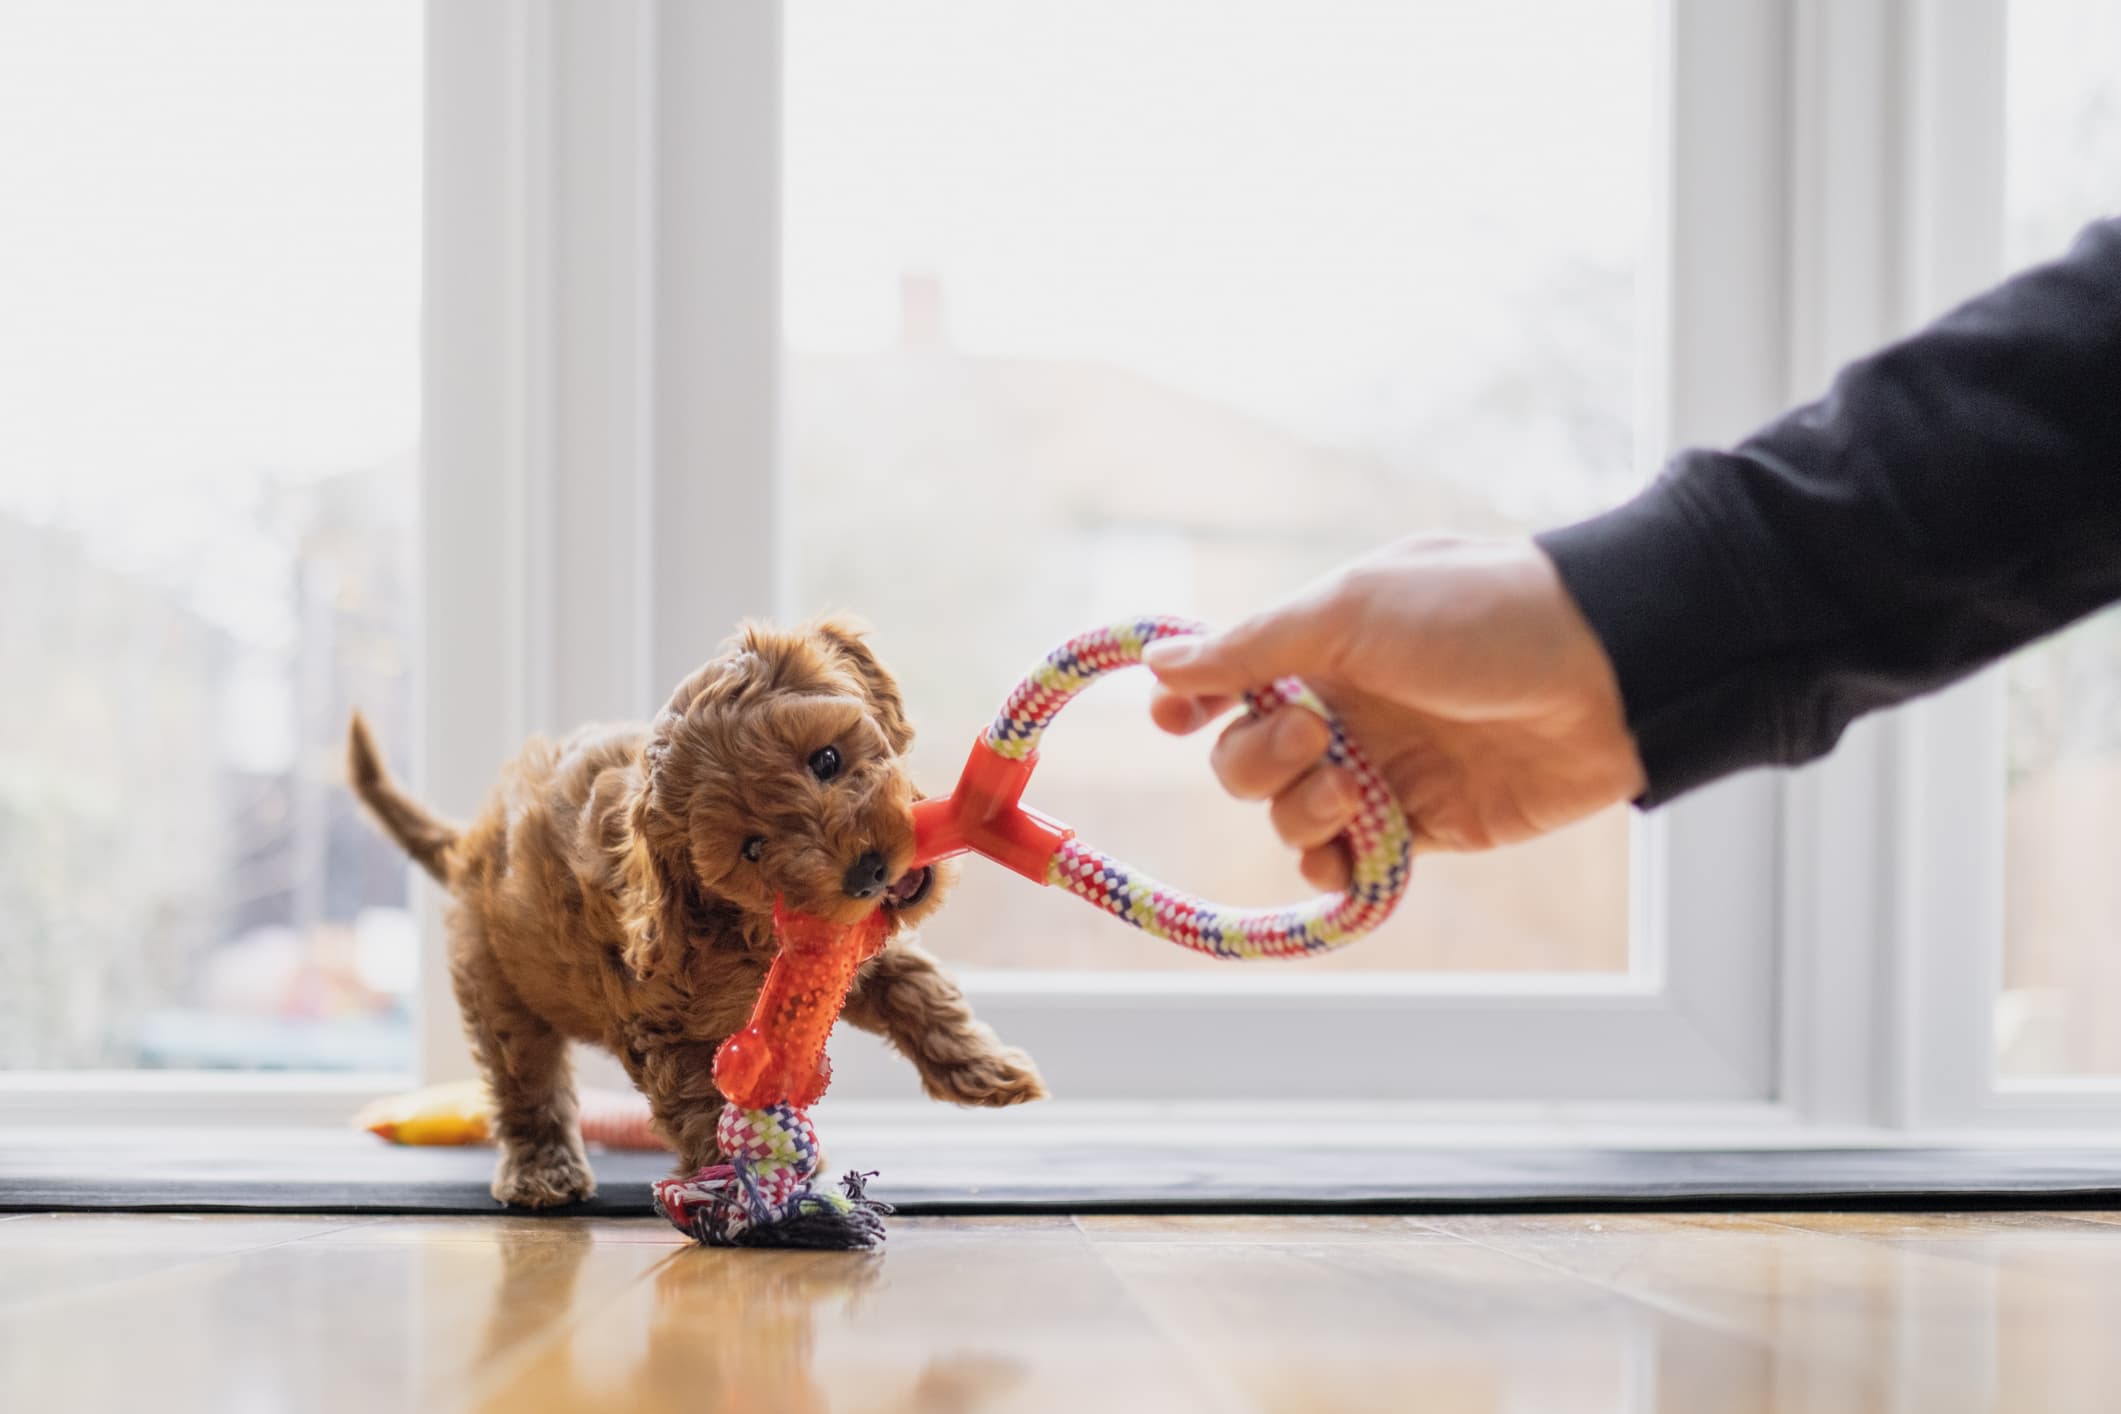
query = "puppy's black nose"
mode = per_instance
[{"x": 865, "y": 877}]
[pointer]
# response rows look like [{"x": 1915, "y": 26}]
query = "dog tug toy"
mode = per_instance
[
  {"x": 983, "y": 815},
  {"x": 776, "y": 1066},
  {"x": 769, "y": 1074}
]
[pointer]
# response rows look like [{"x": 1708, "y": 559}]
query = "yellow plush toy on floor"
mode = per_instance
[{"x": 461, "y": 1112}]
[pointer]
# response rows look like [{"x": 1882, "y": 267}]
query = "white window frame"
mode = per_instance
[
  {"x": 1894, "y": 938},
  {"x": 1896, "y": 211},
  {"x": 1815, "y": 953}
]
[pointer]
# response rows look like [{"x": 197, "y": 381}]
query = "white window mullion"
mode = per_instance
[
  {"x": 1892, "y": 903},
  {"x": 1718, "y": 347},
  {"x": 715, "y": 555},
  {"x": 1948, "y": 940},
  {"x": 542, "y": 373},
  {"x": 1948, "y": 750},
  {"x": 484, "y": 438},
  {"x": 600, "y": 209},
  {"x": 1843, "y": 1034}
]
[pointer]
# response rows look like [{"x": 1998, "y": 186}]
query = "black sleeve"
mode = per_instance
[{"x": 1952, "y": 497}]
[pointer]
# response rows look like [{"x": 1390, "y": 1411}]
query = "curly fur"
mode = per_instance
[{"x": 603, "y": 894}]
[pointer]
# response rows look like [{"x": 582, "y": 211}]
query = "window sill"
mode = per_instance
[{"x": 246, "y": 1099}]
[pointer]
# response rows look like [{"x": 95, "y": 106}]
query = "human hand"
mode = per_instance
[{"x": 1462, "y": 668}]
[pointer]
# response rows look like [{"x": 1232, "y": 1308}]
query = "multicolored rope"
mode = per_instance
[
  {"x": 764, "y": 1197},
  {"x": 989, "y": 820}
]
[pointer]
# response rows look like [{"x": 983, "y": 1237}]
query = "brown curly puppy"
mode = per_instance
[{"x": 618, "y": 888}]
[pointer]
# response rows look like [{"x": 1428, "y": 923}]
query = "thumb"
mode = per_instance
[{"x": 1280, "y": 643}]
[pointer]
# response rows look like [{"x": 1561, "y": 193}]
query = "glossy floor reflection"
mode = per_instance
[{"x": 1996, "y": 1311}]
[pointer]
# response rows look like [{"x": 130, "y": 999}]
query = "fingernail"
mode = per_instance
[
  {"x": 1171, "y": 653},
  {"x": 1292, "y": 740}
]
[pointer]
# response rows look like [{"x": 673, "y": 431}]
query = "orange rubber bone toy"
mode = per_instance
[{"x": 779, "y": 1058}]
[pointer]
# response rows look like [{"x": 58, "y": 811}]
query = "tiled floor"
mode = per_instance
[{"x": 1997, "y": 1311}]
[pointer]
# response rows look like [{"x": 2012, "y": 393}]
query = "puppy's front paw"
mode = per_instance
[
  {"x": 543, "y": 1178},
  {"x": 990, "y": 1079}
]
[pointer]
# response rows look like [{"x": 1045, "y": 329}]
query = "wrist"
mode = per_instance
[{"x": 1613, "y": 756}]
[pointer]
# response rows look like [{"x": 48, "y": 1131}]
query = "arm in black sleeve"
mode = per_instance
[{"x": 1952, "y": 497}]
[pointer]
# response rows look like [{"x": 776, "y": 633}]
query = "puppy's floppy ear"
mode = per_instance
[
  {"x": 650, "y": 864},
  {"x": 844, "y": 638},
  {"x": 652, "y": 901}
]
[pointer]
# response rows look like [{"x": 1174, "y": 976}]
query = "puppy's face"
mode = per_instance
[{"x": 778, "y": 772}]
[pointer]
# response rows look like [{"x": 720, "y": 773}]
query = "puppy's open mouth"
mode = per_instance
[{"x": 911, "y": 888}]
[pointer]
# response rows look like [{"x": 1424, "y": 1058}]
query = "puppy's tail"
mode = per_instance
[{"x": 425, "y": 836}]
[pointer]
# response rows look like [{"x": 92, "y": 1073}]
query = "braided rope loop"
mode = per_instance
[{"x": 1379, "y": 842}]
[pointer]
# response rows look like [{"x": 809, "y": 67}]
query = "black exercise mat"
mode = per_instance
[{"x": 343, "y": 1172}]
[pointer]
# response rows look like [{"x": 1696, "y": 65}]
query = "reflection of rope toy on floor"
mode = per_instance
[
  {"x": 773, "y": 1069},
  {"x": 983, "y": 815}
]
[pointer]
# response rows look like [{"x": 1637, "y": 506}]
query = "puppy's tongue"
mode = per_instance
[{"x": 909, "y": 885}]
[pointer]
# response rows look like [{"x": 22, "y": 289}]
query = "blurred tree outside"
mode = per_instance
[{"x": 184, "y": 880}]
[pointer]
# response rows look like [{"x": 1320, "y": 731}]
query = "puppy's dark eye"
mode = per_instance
[
  {"x": 825, "y": 762},
  {"x": 754, "y": 847}
]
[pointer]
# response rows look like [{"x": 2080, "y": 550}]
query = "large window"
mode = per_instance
[
  {"x": 986, "y": 321},
  {"x": 1094, "y": 311},
  {"x": 2062, "y": 959},
  {"x": 209, "y": 338}
]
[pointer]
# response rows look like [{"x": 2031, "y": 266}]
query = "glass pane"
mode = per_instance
[
  {"x": 209, "y": 307},
  {"x": 2062, "y": 920},
  {"x": 1095, "y": 309}
]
